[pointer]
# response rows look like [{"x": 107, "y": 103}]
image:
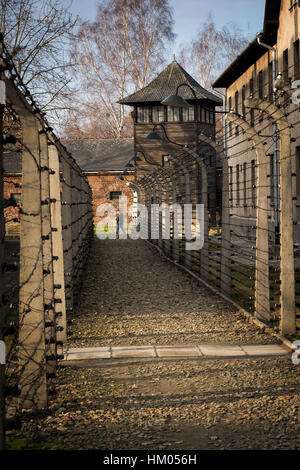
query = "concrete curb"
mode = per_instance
[{"x": 180, "y": 351}]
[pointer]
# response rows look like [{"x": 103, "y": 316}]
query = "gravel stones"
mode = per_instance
[
  {"x": 132, "y": 296},
  {"x": 172, "y": 404}
]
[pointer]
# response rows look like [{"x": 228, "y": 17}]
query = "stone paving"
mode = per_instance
[{"x": 77, "y": 354}]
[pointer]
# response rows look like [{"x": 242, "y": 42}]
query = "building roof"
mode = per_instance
[
  {"x": 253, "y": 51},
  {"x": 165, "y": 84},
  {"x": 92, "y": 155},
  {"x": 101, "y": 154}
]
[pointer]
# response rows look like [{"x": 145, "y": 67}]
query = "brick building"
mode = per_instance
[{"x": 101, "y": 160}]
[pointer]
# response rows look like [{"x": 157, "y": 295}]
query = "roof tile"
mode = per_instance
[{"x": 165, "y": 84}]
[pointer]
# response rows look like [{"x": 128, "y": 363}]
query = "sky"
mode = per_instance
[{"x": 189, "y": 14}]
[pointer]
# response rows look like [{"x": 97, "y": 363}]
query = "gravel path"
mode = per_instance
[
  {"x": 132, "y": 296},
  {"x": 170, "y": 404}
]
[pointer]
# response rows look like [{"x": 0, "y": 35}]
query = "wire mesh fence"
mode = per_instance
[
  {"x": 250, "y": 248},
  {"x": 46, "y": 227}
]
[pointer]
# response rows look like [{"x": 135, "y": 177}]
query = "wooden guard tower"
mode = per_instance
[{"x": 182, "y": 125}]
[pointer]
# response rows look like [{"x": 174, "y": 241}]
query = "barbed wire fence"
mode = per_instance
[
  {"x": 43, "y": 264},
  {"x": 251, "y": 249}
]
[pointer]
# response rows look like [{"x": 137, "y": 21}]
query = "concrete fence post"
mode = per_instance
[
  {"x": 31, "y": 337},
  {"x": 287, "y": 267},
  {"x": 262, "y": 291},
  {"x": 47, "y": 251},
  {"x": 204, "y": 268},
  {"x": 57, "y": 240},
  {"x": 169, "y": 178},
  {"x": 187, "y": 200},
  {"x": 31, "y": 354},
  {"x": 225, "y": 275},
  {"x": 66, "y": 212},
  {"x": 75, "y": 229}
]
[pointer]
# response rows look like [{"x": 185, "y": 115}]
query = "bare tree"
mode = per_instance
[
  {"x": 89, "y": 121},
  {"x": 37, "y": 34},
  {"x": 212, "y": 50},
  {"x": 119, "y": 52},
  {"x": 233, "y": 41}
]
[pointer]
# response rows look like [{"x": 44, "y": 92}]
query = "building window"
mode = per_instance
[
  {"x": 202, "y": 114},
  {"x": 270, "y": 80},
  {"x": 230, "y": 124},
  {"x": 272, "y": 178},
  {"x": 173, "y": 113},
  {"x": 237, "y": 185},
  {"x": 143, "y": 114},
  {"x": 211, "y": 117},
  {"x": 115, "y": 195},
  {"x": 158, "y": 113},
  {"x": 260, "y": 85},
  {"x": 230, "y": 186},
  {"x": 188, "y": 114},
  {"x": 236, "y": 107},
  {"x": 17, "y": 197},
  {"x": 285, "y": 65},
  {"x": 296, "y": 60},
  {"x": 206, "y": 116},
  {"x": 245, "y": 184},
  {"x": 251, "y": 90},
  {"x": 236, "y": 102},
  {"x": 253, "y": 182},
  {"x": 243, "y": 99}
]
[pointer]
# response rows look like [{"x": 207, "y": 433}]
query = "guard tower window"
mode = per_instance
[
  {"x": 201, "y": 114},
  {"x": 115, "y": 195},
  {"x": 143, "y": 114},
  {"x": 173, "y": 113},
  {"x": 158, "y": 114},
  {"x": 211, "y": 117},
  {"x": 188, "y": 114}
]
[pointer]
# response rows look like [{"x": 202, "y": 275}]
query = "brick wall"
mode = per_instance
[
  {"x": 9, "y": 189},
  {"x": 102, "y": 184}
]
